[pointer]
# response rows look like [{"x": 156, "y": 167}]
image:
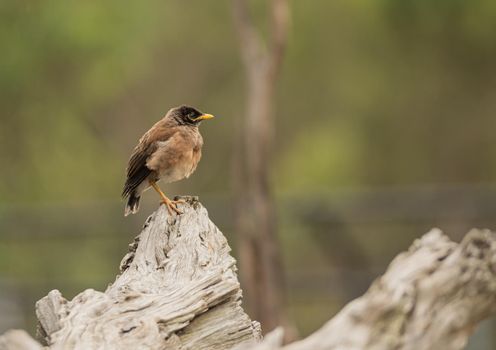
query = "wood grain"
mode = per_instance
[{"x": 177, "y": 289}]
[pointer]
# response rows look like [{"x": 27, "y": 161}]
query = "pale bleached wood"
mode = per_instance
[
  {"x": 431, "y": 297},
  {"x": 17, "y": 339},
  {"x": 177, "y": 289}
]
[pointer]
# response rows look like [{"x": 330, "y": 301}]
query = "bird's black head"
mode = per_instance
[{"x": 185, "y": 115}]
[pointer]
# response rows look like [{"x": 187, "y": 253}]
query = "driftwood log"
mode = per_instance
[
  {"x": 178, "y": 289},
  {"x": 431, "y": 297}
]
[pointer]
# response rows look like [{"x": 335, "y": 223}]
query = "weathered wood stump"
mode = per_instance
[{"x": 178, "y": 289}]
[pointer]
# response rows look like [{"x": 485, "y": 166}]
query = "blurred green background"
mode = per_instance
[{"x": 386, "y": 112}]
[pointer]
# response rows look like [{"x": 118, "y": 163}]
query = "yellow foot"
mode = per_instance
[
  {"x": 172, "y": 206},
  {"x": 175, "y": 203}
]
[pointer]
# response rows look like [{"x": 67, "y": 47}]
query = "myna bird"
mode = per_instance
[{"x": 169, "y": 151}]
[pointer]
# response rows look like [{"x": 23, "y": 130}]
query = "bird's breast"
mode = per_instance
[{"x": 179, "y": 158}]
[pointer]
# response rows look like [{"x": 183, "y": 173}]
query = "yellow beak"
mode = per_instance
[{"x": 204, "y": 117}]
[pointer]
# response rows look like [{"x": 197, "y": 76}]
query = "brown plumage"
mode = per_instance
[{"x": 169, "y": 151}]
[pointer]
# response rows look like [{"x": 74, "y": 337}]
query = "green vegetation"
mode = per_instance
[{"x": 373, "y": 94}]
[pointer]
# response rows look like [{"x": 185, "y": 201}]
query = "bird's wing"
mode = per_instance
[{"x": 137, "y": 170}]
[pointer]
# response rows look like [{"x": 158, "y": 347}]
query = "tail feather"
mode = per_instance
[{"x": 132, "y": 204}]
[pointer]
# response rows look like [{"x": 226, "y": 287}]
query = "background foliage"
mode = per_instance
[{"x": 385, "y": 127}]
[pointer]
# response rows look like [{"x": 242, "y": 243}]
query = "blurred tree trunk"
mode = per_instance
[{"x": 260, "y": 260}]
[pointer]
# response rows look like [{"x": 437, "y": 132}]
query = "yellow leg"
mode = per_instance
[{"x": 171, "y": 205}]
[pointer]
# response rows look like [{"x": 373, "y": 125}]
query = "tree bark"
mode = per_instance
[
  {"x": 260, "y": 260},
  {"x": 178, "y": 290},
  {"x": 431, "y": 297},
  {"x": 17, "y": 339}
]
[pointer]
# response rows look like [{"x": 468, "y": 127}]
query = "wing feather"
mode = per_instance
[{"x": 137, "y": 170}]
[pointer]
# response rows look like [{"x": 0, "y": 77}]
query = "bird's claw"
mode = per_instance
[{"x": 172, "y": 206}]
